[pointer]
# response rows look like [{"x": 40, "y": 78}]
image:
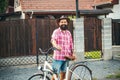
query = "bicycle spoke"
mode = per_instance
[{"x": 81, "y": 72}]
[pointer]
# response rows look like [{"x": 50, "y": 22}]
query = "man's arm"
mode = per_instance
[{"x": 55, "y": 45}]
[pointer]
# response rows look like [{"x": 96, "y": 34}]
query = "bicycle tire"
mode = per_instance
[
  {"x": 38, "y": 77},
  {"x": 80, "y": 72}
]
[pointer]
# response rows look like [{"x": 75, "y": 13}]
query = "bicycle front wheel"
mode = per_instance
[
  {"x": 80, "y": 72},
  {"x": 38, "y": 77}
]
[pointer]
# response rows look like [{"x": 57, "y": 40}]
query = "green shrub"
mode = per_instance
[{"x": 93, "y": 55}]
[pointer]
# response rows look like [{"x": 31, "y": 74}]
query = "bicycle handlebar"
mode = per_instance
[{"x": 46, "y": 52}]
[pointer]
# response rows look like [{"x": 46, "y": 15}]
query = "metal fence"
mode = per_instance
[{"x": 22, "y": 60}]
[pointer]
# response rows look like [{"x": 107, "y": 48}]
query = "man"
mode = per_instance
[{"x": 62, "y": 40}]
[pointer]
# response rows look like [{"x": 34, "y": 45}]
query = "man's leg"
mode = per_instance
[
  {"x": 63, "y": 70},
  {"x": 62, "y": 75},
  {"x": 56, "y": 68},
  {"x": 54, "y": 76}
]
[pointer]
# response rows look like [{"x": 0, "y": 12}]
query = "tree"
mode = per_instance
[{"x": 3, "y": 5}]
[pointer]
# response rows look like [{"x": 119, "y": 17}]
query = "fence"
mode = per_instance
[{"x": 22, "y": 38}]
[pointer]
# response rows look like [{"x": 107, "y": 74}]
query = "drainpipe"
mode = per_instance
[{"x": 77, "y": 10}]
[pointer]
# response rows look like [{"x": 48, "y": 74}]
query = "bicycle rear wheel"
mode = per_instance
[
  {"x": 80, "y": 72},
  {"x": 38, "y": 77}
]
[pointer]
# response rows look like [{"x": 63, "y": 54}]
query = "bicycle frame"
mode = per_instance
[
  {"x": 72, "y": 72},
  {"x": 67, "y": 72},
  {"x": 48, "y": 68}
]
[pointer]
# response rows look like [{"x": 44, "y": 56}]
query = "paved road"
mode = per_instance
[{"x": 100, "y": 70}]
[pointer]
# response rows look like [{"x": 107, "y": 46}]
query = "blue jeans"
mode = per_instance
[{"x": 59, "y": 66}]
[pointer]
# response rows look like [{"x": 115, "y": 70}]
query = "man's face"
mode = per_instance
[{"x": 63, "y": 22}]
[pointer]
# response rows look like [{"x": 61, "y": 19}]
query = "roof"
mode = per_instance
[
  {"x": 96, "y": 11},
  {"x": 55, "y": 5},
  {"x": 104, "y": 3},
  {"x": 62, "y": 6},
  {"x": 10, "y": 14},
  {"x": 82, "y": 12}
]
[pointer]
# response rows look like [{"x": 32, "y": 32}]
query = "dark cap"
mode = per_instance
[{"x": 63, "y": 17}]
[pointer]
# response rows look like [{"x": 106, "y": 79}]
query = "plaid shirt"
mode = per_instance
[{"x": 64, "y": 40}]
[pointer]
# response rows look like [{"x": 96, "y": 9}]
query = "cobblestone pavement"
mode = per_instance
[{"x": 100, "y": 70}]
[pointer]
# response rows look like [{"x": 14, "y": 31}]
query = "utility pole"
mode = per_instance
[{"x": 77, "y": 10}]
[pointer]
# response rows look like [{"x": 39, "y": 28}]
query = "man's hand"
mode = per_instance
[
  {"x": 70, "y": 57},
  {"x": 58, "y": 48}
]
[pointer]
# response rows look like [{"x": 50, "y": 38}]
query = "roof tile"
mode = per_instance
[
  {"x": 55, "y": 4},
  {"x": 52, "y": 5}
]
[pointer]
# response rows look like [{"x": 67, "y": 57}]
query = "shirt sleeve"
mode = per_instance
[{"x": 54, "y": 37}]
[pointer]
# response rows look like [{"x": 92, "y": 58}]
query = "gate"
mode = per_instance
[{"x": 93, "y": 41}]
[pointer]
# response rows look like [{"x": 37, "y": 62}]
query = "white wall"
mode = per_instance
[{"x": 116, "y": 12}]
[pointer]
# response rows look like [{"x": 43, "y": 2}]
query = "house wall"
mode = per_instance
[
  {"x": 17, "y": 6},
  {"x": 115, "y": 15},
  {"x": 116, "y": 12}
]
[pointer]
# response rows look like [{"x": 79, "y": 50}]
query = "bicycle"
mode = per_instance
[{"x": 75, "y": 71}]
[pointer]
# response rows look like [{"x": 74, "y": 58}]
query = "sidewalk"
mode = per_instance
[{"x": 100, "y": 70}]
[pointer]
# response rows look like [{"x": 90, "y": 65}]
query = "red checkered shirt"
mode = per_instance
[{"x": 64, "y": 40}]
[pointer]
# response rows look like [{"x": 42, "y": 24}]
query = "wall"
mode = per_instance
[
  {"x": 107, "y": 38},
  {"x": 116, "y": 12},
  {"x": 79, "y": 38}
]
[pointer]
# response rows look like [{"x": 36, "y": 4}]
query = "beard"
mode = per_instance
[{"x": 63, "y": 27}]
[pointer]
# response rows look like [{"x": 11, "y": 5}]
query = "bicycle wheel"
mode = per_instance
[
  {"x": 80, "y": 72},
  {"x": 38, "y": 77}
]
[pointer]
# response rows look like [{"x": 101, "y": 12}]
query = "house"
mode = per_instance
[{"x": 25, "y": 9}]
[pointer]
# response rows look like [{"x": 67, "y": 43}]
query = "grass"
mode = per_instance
[
  {"x": 113, "y": 76},
  {"x": 94, "y": 79},
  {"x": 93, "y": 55}
]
